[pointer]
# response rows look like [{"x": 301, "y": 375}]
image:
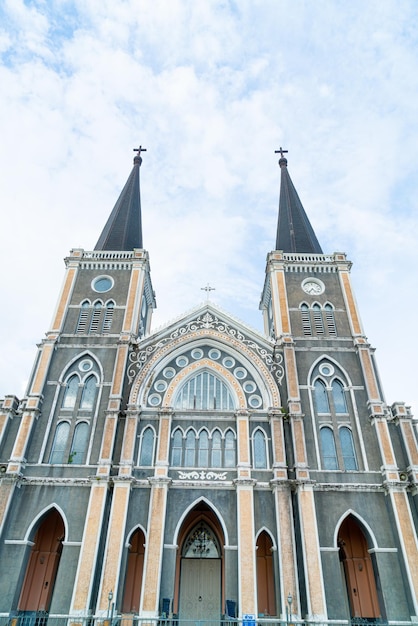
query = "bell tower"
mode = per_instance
[{"x": 337, "y": 418}]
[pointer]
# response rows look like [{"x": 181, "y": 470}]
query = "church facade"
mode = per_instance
[{"x": 206, "y": 470}]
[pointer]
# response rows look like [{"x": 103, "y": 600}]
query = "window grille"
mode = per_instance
[
  {"x": 108, "y": 316},
  {"x": 95, "y": 318},
  {"x": 317, "y": 318},
  {"x": 204, "y": 391},
  {"x": 330, "y": 319}
]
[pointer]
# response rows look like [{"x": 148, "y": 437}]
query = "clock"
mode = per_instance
[{"x": 313, "y": 287}]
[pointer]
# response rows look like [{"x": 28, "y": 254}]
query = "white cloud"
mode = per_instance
[{"x": 211, "y": 89}]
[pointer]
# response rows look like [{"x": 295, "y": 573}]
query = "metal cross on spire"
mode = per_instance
[
  {"x": 139, "y": 150},
  {"x": 208, "y": 289},
  {"x": 281, "y": 151}
]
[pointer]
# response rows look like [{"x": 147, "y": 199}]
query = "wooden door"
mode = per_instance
[
  {"x": 43, "y": 565},
  {"x": 134, "y": 570},
  {"x": 358, "y": 570},
  {"x": 200, "y": 589},
  {"x": 266, "y": 596}
]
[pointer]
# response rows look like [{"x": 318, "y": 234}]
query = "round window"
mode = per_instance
[
  {"x": 229, "y": 362},
  {"x": 255, "y": 402},
  {"x": 169, "y": 372},
  {"x": 197, "y": 353},
  {"x": 85, "y": 365},
  {"x": 240, "y": 373},
  {"x": 154, "y": 399},
  {"x": 182, "y": 361},
  {"x": 214, "y": 354},
  {"x": 102, "y": 284},
  {"x": 249, "y": 386},
  {"x": 326, "y": 369},
  {"x": 160, "y": 385}
]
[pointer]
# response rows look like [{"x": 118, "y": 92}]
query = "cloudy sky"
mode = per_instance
[{"x": 211, "y": 88}]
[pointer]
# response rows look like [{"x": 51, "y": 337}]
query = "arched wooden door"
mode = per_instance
[
  {"x": 134, "y": 571},
  {"x": 200, "y": 596},
  {"x": 358, "y": 571},
  {"x": 266, "y": 595},
  {"x": 41, "y": 571}
]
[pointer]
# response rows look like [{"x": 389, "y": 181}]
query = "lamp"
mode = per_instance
[
  {"x": 109, "y": 598},
  {"x": 289, "y": 607}
]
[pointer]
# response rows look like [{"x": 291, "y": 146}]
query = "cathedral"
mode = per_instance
[{"x": 206, "y": 471}]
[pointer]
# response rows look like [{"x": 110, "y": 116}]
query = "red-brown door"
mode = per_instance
[
  {"x": 43, "y": 564},
  {"x": 358, "y": 569},
  {"x": 266, "y": 597},
  {"x": 134, "y": 570}
]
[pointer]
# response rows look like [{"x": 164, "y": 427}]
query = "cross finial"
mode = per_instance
[
  {"x": 281, "y": 151},
  {"x": 208, "y": 289},
  {"x": 139, "y": 150}
]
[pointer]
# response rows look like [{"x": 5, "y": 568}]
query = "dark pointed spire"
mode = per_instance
[
  {"x": 123, "y": 229},
  {"x": 294, "y": 230}
]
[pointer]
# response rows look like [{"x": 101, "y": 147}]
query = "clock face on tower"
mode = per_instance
[{"x": 313, "y": 286}]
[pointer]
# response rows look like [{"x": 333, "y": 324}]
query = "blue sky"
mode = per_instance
[{"x": 211, "y": 89}]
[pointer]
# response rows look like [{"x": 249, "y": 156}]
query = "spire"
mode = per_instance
[
  {"x": 294, "y": 230},
  {"x": 123, "y": 229}
]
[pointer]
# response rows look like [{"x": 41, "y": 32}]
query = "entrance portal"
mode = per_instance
[
  {"x": 200, "y": 575},
  {"x": 43, "y": 564},
  {"x": 358, "y": 571}
]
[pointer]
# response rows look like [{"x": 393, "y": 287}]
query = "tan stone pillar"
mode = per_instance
[
  {"x": 156, "y": 520},
  {"x": 286, "y": 551},
  {"x": 80, "y": 602},
  {"x": 154, "y": 547},
  {"x": 115, "y": 542}
]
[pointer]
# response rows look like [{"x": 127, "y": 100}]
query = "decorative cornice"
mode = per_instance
[{"x": 207, "y": 321}]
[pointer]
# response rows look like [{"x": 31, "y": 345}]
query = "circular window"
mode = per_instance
[
  {"x": 255, "y": 402},
  {"x": 154, "y": 399},
  {"x": 214, "y": 354},
  {"x": 229, "y": 362},
  {"x": 169, "y": 372},
  {"x": 85, "y": 365},
  {"x": 326, "y": 369},
  {"x": 160, "y": 385},
  {"x": 197, "y": 353},
  {"x": 182, "y": 361},
  {"x": 249, "y": 386},
  {"x": 240, "y": 373},
  {"x": 102, "y": 284}
]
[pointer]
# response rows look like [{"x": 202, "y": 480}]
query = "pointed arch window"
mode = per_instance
[
  {"x": 347, "y": 448},
  {"x": 216, "y": 456},
  {"x": 329, "y": 452},
  {"x": 321, "y": 397},
  {"x": 317, "y": 318},
  {"x": 230, "y": 455},
  {"x": 204, "y": 391},
  {"x": 108, "y": 316},
  {"x": 203, "y": 449},
  {"x": 259, "y": 450},
  {"x": 201, "y": 543},
  {"x": 70, "y": 393},
  {"x": 306, "y": 319},
  {"x": 79, "y": 443},
  {"x": 330, "y": 319},
  {"x": 190, "y": 451},
  {"x": 338, "y": 396},
  {"x": 89, "y": 394},
  {"x": 83, "y": 317},
  {"x": 95, "y": 318},
  {"x": 177, "y": 448},
  {"x": 60, "y": 443},
  {"x": 146, "y": 455}
]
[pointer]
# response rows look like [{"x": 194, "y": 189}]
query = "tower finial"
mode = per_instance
[
  {"x": 138, "y": 158},
  {"x": 282, "y": 160}
]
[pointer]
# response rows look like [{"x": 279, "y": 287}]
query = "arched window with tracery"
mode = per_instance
[
  {"x": 79, "y": 443},
  {"x": 204, "y": 391},
  {"x": 59, "y": 443},
  {"x": 321, "y": 397},
  {"x": 329, "y": 452},
  {"x": 146, "y": 454},
  {"x": 89, "y": 393},
  {"x": 259, "y": 449},
  {"x": 177, "y": 448},
  {"x": 70, "y": 392},
  {"x": 347, "y": 448},
  {"x": 338, "y": 397}
]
